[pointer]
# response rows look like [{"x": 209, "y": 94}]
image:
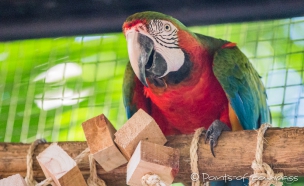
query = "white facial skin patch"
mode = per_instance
[{"x": 164, "y": 36}]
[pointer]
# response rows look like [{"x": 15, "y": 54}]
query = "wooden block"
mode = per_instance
[
  {"x": 99, "y": 133},
  {"x": 141, "y": 126},
  {"x": 152, "y": 158},
  {"x": 56, "y": 163},
  {"x": 14, "y": 180}
]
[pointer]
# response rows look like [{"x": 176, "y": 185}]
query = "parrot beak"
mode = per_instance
[{"x": 140, "y": 48}]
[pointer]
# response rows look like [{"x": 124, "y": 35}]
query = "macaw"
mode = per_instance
[{"x": 186, "y": 80}]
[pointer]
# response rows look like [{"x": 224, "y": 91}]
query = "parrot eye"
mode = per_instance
[{"x": 167, "y": 27}]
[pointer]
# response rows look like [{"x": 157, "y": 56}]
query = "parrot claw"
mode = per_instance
[
  {"x": 212, "y": 145},
  {"x": 213, "y": 133},
  {"x": 41, "y": 141}
]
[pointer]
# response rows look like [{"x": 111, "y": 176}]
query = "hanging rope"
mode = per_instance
[
  {"x": 151, "y": 179},
  {"x": 194, "y": 157},
  {"x": 46, "y": 182},
  {"x": 29, "y": 178},
  {"x": 82, "y": 155},
  {"x": 261, "y": 169},
  {"x": 94, "y": 180}
]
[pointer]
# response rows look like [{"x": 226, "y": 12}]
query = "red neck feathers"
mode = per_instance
[
  {"x": 199, "y": 56},
  {"x": 191, "y": 103}
]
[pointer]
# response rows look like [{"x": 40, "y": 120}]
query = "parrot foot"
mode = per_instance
[
  {"x": 213, "y": 133},
  {"x": 42, "y": 140}
]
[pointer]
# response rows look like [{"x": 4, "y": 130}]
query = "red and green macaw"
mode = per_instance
[{"x": 186, "y": 80}]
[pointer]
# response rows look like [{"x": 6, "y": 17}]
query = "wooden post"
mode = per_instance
[
  {"x": 99, "y": 133},
  {"x": 141, "y": 126},
  {"x": 235, "y": 151},
  {"x": 14, "y": 180},
  {"x": 152, "y": 158},
  {"x": 56, "y": 163}
]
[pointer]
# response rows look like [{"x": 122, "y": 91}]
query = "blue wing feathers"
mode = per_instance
[
  {"x": 128, "y": 90},
  {"x": 243, "y": 87},
  {"x": 128, "y": 112},
  {"x": 244, "y": 91}
]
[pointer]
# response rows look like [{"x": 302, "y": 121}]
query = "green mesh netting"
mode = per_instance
[{"x": 48, "y": 87}]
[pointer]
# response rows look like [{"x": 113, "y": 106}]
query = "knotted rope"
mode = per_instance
[
  {"x": 29, "y": 178},
  {"x": 46, "y": 182},
  {"x": 194, "y": 157},
  {"x": 82, "y": 155},
  {"x": 151, "y": 179},
  {"x": 94, "y": 180},
  {"x": 263, "y": 174}
]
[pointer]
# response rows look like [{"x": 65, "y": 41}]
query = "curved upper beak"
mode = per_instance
[{"x": 139, "y": 49}]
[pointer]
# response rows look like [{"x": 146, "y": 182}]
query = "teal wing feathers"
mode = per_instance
[
  {"x": 128, "y": 91},
  {"x": 242, "y": 84}
]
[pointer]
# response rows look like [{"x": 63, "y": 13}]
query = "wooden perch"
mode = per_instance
[{"x": 283, "y": 150}]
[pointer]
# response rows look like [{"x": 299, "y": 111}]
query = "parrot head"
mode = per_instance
[{"x": 154, "y": 47}]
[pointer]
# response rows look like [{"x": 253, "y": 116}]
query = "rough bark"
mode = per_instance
[{"x": 283, "y": 150}]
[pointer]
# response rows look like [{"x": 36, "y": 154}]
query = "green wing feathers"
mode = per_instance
[{"x": 243, "y": 87}]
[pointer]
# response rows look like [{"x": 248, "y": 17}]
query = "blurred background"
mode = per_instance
[{"x": 62, "y": 62}]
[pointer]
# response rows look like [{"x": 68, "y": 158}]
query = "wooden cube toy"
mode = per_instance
[
  {"x": 141, "y": 126},
  {"x": 56, "y": 163},
  {"x": 14, "y": 180},
  {"x": 99, "y": 133},
  {"x": 152, "y": 158}
]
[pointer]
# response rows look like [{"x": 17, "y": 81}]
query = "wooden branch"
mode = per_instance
[{"x": 283, "y": 150}]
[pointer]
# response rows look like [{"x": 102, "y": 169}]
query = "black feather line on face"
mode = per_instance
[
  {"x": 164, "y": 44},
  {"x": 168, "y": 40}
]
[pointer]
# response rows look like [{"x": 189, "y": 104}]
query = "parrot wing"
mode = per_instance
[
  {"x": 242, "y": 85},
  {"x": 133, "y": 93}
]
